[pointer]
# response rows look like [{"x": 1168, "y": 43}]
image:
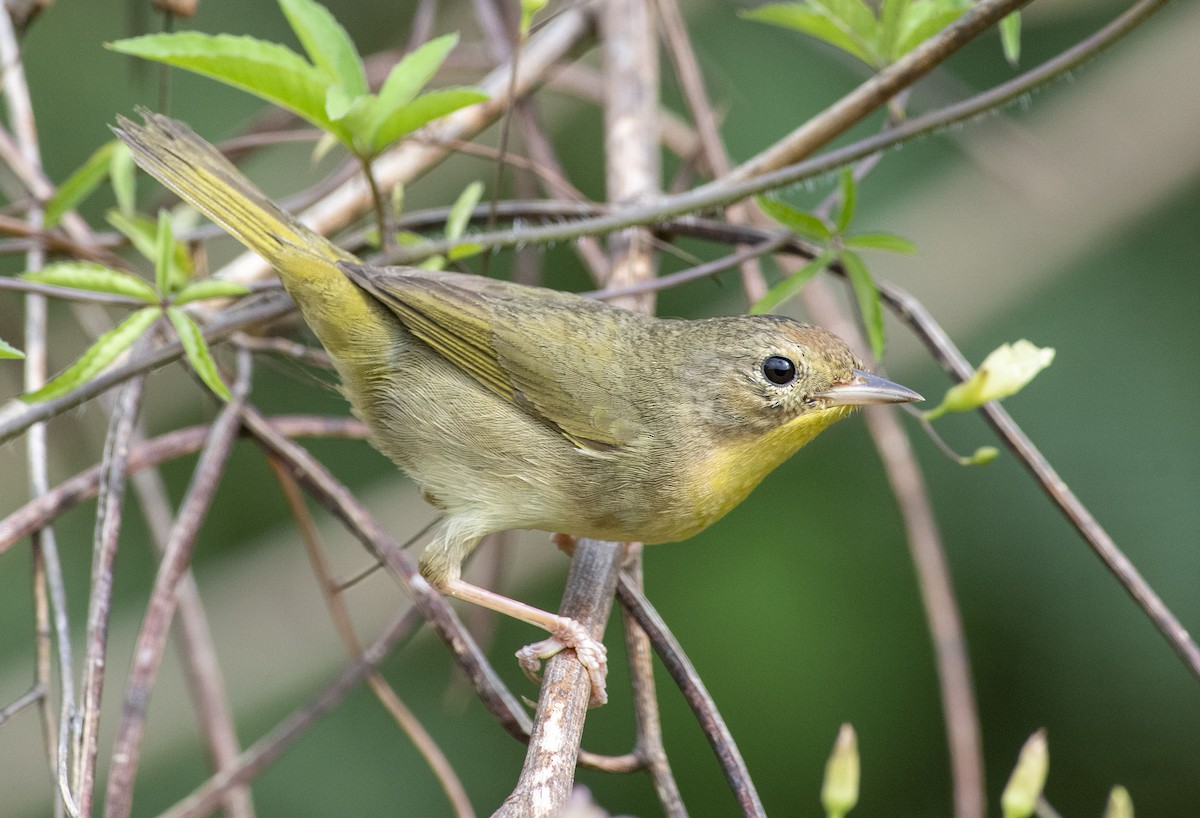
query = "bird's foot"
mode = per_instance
[{"x": 569, "y": 634}]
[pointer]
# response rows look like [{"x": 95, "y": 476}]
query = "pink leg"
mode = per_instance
[{"x": 564, "y": 633}]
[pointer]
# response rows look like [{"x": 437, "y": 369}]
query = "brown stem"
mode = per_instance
[
  {"x": 951, "y": 656},
  {"x": 694, "y": 692},
  {"x": 108, "y": 528},
  {"x": 160, "y": 609}
]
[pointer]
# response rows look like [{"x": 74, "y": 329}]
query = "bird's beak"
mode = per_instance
[{"x": 864, "y": 389}]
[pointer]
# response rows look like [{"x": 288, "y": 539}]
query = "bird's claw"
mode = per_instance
[{"x": 591, "y": 654}]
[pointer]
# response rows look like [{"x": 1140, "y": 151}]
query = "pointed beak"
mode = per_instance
[{"x": 865, "y": 389}]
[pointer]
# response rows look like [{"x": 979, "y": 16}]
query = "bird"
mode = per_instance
[{"x": 522, "y": 407}]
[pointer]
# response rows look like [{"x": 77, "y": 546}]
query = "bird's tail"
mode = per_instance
[{"x": 342, "y": 315}]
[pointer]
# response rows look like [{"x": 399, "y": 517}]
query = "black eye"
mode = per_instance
[{"x": 779, "y": 370}]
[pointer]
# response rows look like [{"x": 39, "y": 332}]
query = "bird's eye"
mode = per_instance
[{"x": 779, "y": 370}]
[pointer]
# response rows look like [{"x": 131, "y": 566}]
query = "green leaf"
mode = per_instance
[
  {"x": 209, "y": 288},
  {"x": 434, "y": 262},
  {"x": 327, "y": 44},
  {"x": 99, "y": 355},
  {"x": 528, "y": 9},
  {"x": 1010, "y": 38},
  {"x": 799, "y": 222},
  {"x": 7, "y": 350},
  {"x": 1006, "y": 371},
  {"x": 791, "y": 285},
  {"x": 196, "y": 349},
  {"x": 464, "y": 206},
  {"x": 856, "y": 16},
  {"x": 267, "y": 70},
  {"x": 422, "y": 110},
  {"x": 123, "y": 174},
  {"x": 95, "y": 278},
  {"x": 467, "y": 250},
  {"x": 880, "y": 241},
  {"x": 868, "y": 300},
  {"x": 164, "y": 249},
  {"x": 891, "y": 16},
  {"x": 143, "y": 235},
  {"x": 412, "y": 73},
  {"x": 924, "y": 19},
  {"x": 80, "y": 183},
  {"x": 814, "y": 22},
  {"x": 849, "y": 200}
]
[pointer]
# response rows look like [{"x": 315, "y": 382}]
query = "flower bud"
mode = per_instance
[
  {"x": 1120, "y": 805},
  {"x": 1028, "y": 778},
  {"x": 839, "y": 792}
]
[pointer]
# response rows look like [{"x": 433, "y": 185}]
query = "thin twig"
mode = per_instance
[
  {"x": 401, "y": 164},
  {"x": 690, "y": 684},
  {"x": 37, "y": 513},
  {"x": 838, "y": 118},
  {"x": 108, "y": 528},
  {"x": 952, "y": 360},
  {"x": 645, "y": 699},
  {"x": 35, "y": 695},
  {"x": 691, "y": 81},
  {"x": 335, "y": 497},
  {"x": 391, "y": 701},
  {"x": 258, "y": 756},
  {"x": 69, "y": 293},
  {"x": 720, "y": 195},
  {"x": 951, "y": 656},
  {"x": 17, "y": 416},
  {"x": 160, "y": 609},
  {"x": 24, "y": 157}
]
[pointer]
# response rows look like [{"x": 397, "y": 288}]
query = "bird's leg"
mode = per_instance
[{"x": 564, "y": 633}]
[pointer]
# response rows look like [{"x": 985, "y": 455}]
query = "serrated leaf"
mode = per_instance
[
  {"x": 1010, "y": 38},
  {"x": 463, "y": 207},
  {"x": 209, "y": 288},
  {"x": 7, "y": 350},
  {"x": 880, "y": 241},
  {"x": 791, "y": 285},
  {"x": 814, "y": 22},
  {"x": 924, "y": 19},
  {"x": 143, "y": 235},
  {"x": 849, "y": 190},
  {"x": 98, "y": 356},
  {"x": 327, "y": 44},
  {"x": 868, "y": 300},
  {"x": 421, "y": 111},
  {"x": 268, "y": 70},
  {"x": 412, "y": 73},
  {"x": 196, "y": 350},
  {"x": 95, "y": 278},
  {"x": 122, "y": 173},
  {"x": 80, "y": 184},
  {"x": 799, "y": 222}
]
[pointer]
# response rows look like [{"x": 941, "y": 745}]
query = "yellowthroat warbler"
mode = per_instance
[{"x": 522, "y": 407}]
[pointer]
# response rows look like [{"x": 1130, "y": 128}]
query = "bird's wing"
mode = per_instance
[{"x": 548, "y": 352}]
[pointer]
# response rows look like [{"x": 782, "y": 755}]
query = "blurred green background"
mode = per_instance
[{"x": 1070, "y": 219}]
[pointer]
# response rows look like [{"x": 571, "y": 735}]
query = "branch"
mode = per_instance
[{"x": 160, "y": 610}]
